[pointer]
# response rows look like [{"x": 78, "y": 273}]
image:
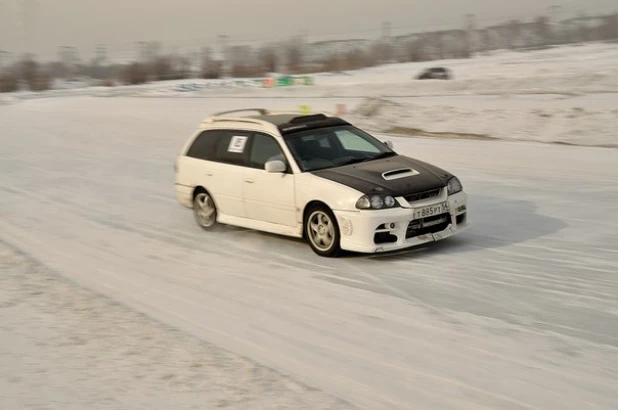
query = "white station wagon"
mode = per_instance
[{"x": 317, "y": 177}]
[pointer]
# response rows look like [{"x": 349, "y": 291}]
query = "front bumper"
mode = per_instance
[{"x": 386, "y": 230}]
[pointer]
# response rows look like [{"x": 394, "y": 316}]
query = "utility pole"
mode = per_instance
[
  {"x": 27, "y": 17},
  {"x": 554, "y": 24},
  {"x": 140, "y": 51},
  {"x": 100, "y": 53},
  {"x": 386, "y": 41},
  {"x": 224, "y": 51},
  {"x": 470, "y": 30},
  {"x": 386, "y": 30},
  {"x": 68, "y": 56},
  {"x": 2, "y": 56}
]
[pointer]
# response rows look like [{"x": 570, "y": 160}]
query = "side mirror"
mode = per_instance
[
  {"x": 275, "y": 166},
  {"x": 388, "y": 144}
]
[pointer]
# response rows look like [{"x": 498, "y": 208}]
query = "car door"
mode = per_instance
[
  {"x": 268, "y": 197},
  {"x": 222, "y": 173}
]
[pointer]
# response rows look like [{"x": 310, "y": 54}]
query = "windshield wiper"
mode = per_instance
[
  {"x": 357, "y": 160},
  {"x": 379, "y": 156},
  {"x": 383, "y": 155}
]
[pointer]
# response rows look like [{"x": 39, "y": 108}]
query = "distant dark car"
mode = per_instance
[{"x": 435, "y": 73}]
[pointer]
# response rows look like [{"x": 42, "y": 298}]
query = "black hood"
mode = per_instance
[{"x": 367, "y": 177}]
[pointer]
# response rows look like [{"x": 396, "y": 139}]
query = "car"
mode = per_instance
[
  {"x": 317, "y": 177},
  {"x": 435, "y": 73}
]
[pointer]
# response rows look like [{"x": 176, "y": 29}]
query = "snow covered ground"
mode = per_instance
[
  {"x": 64, "y": 347},
  {"x": 521, "y": 312}
]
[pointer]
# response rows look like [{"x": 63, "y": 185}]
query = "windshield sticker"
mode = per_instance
[{"x": 237, "y": 144}]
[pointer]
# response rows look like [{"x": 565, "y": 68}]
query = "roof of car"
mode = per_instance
[
  {"x": 275, "y": 119},
  {"x": 285, "y": 122}
]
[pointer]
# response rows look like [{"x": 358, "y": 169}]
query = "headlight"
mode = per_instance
[
  {"x": 454, "y": 186},
  {"x": 375, "y": 202}
]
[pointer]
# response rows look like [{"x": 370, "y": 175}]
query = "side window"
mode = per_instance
[
  {"x": 231, "y": 148},
  {"x": 353, "y": 142},
  {"x": 264, "y": 148},
  {"x": 203, "y": 146}
]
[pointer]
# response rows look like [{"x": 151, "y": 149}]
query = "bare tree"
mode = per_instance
[
  {"x": 135, "y": 73},
  {"x": 609, "y": 27},
  {"x": 293, "y": 56},
  {"x": 268, "y": 58},
  {"x": 542, "y": 30},
  {"x": 513, "y": 33},
  {"x": 162, "y": 68}
]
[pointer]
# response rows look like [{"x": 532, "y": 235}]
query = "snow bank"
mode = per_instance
[
  {"x": 576, "y": 125},
  {"x": 5, "y": 99}
]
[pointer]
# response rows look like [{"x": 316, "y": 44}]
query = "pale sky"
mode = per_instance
[{"x": 187, "y": 24}]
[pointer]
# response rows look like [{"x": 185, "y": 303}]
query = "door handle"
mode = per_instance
[
  {"x": 249, "y": 180},
  {"x": 209, "y": 174}
]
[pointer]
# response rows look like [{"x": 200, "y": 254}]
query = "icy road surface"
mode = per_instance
[{"x": 521, "y": 312}]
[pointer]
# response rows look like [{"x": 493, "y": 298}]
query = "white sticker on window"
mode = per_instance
[{"x": 237, "y": 144}]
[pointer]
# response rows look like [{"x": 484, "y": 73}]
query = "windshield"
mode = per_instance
[{"x": 333, "y": 147}]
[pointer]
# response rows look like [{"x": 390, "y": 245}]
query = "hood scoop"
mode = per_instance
[{"x": 399, "y": 173}]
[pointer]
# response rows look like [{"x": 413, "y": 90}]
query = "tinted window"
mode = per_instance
[
  {"x": 330, "y": 147},
  {"x": 232, "y": 148},
  {"x": 263, "y": 149},
  {"x": 203, "y": 146},
  {"x": 353, "y": 142}
]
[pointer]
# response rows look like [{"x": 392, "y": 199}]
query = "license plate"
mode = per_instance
[{"x": 431, "y": 210}]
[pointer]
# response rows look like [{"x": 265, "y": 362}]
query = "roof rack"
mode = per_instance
[
  {"x": 212, "y": 120},
  {"x": 262, "y": 111}
]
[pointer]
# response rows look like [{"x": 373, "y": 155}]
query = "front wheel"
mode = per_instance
[{"x": 322, "y": 231}]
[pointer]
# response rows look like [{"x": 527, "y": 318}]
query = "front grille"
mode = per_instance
[
  {"x": 431, "y": 224},
  {"x": 422, "y": 195}
]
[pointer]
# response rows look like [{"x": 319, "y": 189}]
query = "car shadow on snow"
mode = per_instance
[{"x": 496, "y": 222}]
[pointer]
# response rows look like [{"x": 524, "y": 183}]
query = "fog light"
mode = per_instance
[
  {"x": 392, "y": 225},
  {"x": 346, "y": 226}
]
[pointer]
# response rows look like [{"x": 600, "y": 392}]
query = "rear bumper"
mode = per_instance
[
  {"x": 184, "y": 195},
  {"x": 359, "y": 228}
]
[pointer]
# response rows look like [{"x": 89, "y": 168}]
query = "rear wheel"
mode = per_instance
[
  {"x": 322, "y": 231},
  {"x": 204, "y": 210}
]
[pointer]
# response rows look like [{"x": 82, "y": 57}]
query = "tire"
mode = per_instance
[
  {"x": 204, "y": 210},
  {"x": 321, "y": 231}
]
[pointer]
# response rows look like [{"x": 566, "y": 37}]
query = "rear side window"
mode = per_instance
[
  {"x": 203, "y": 146},
  {"x": 232, "y": 148},
  {"x": 229, "y": 147}
]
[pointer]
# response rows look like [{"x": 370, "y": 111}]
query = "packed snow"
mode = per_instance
[
  {"x": 64, "y": 347},
  {"x": 518, "y": 313}
]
